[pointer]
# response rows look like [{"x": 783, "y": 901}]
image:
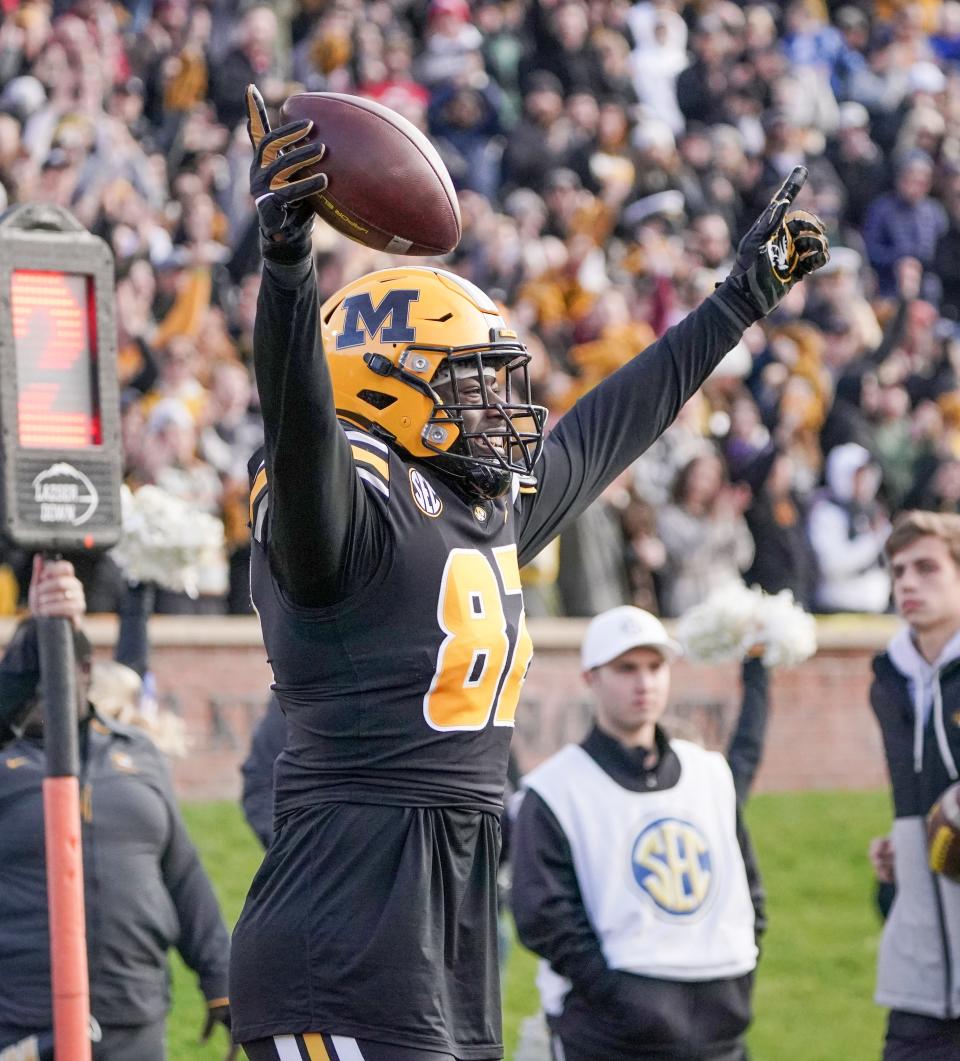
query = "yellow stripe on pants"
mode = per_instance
[{"x": 313, "y": 1041}]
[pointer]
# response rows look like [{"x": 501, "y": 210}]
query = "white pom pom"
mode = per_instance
[
  {"x": 735, "y": 621},
  {"x": 166, "y": 541}
]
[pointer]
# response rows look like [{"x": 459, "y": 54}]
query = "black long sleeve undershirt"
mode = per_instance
[
  {"x": 326, "y": 538},
  {"x": 612, "y": 425},
  {"x": 609, "y": 428}
]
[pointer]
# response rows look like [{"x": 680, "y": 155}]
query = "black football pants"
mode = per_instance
[
  {"x": 560, "y": 1051},
  {"x": 912, "y": 1037}
]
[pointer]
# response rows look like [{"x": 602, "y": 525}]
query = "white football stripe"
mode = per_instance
[
  {"x": 287, "y": 1049},
  {"x": 261, "y": 518},
  {"x": 347, "y": 1049},
  {"x": 357, "y": 436},
  {"x": 377, "y": 484}
]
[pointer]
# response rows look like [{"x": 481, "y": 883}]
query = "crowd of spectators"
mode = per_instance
[{"x": 607, "y": 156}]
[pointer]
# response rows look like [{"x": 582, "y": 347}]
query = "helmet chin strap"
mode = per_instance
[
  {"x": 476, "y": 482},
  {"x": 488, "y": 483}
]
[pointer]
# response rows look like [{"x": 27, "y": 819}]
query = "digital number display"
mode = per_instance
[{"x": 55, "y": 339}]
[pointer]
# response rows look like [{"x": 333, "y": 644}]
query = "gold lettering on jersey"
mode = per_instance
[
  {"x": 15, "y": 762},
  {"x": 476, "y": 652},
  {"x": 425, "y": 497},
  {"x": 672, "y": 863},
  {"x": 509, "y": 568},
  {"x": 475, "y": 648}
]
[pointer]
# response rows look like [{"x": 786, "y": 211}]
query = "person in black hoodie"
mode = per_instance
[{"x": 916, "y": 698}]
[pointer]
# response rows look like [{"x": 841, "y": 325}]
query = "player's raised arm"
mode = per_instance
[
  {"x": 323, "y": 538},
  {"x": 612, "y": 425}
]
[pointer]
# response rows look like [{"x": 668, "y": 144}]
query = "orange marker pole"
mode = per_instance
[
  {"x": 61, "y": 823},
  {"x": 68, "y": 935}
]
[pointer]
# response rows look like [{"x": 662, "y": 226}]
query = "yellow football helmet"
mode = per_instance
[{"x": 393, "y": 337}]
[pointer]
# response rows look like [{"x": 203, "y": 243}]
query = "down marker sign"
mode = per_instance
[{"x": 59, "y": 404}]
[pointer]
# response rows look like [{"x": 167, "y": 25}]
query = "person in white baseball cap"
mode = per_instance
[
  {"x": 626, "y": 656},
  {"x": 633, "y": 877}
]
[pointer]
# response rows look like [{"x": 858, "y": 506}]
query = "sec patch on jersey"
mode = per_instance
[{"x": 425, "y": 497}]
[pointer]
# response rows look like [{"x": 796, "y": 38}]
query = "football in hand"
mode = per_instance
[
  {"x": 388, "y": 188},
  {"x": 943, "y": 834}
]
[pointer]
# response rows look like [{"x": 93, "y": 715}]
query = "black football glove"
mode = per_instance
[
  {"x": 769, "y": 221},
  {"x": 277, "y": 182},
  {"x": 218, "y": 1012},
  {"x": 780, "y": 248}
]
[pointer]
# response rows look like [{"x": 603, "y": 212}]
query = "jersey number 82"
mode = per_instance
[{"x": 479, "y": 672}]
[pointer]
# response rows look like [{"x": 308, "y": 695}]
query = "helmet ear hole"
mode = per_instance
[{"x": 377, "y": 399}]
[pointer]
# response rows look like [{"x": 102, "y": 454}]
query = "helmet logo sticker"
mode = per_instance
[
  {"x": 426, "y": 498},
  {"x": 359, "y": 313}
]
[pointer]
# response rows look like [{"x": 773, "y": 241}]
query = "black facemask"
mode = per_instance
[{"x": 473, "y": 459}]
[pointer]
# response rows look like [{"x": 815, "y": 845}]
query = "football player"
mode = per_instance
[{"x": 404, "y": 480}]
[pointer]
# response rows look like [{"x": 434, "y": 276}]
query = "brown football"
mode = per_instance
[
  {"x": 943, "y": 833},
  {"x": 389, "y": 189}
]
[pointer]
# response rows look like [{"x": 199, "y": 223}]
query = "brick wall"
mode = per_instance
[{"x": 821, "y": 733}]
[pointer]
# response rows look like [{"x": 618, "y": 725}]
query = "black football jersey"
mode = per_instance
[{"x": 406, "y": 691}]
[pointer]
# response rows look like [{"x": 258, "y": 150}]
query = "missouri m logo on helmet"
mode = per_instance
[
  {"x": 423, "y": 359},
  {"x": 359, "y": 310}
]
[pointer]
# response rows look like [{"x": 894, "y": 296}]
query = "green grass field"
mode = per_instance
[{"x": 815, "y": 983}]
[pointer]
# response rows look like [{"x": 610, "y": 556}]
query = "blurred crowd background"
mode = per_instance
[{"x": 608, "y": 155}]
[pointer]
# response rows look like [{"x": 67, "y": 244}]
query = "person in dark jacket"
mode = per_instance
[
  {"x": 269, "y": 737},
  {"x": 532, "y": 151},
  {"x": 906, "y": 223},
  {"x": 783, "y": 557},
  {"x": 702, "y": 86},
  {"x": 633, "y": 875},
  {"x": 745, "y": 749},
  {"x": 144, "y": 887},
  {"x": 565, "y": 49},
  {"x": 916, "y": 698},
  {"x": 465, "y": 124}
]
